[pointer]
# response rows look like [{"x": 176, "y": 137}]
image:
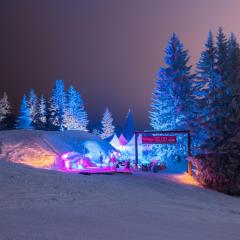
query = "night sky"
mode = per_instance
[{"x": 110, "y": 50}]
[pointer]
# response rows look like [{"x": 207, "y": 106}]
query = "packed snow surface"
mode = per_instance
[
  {"x": 45, "y": 204},
  {"x": 39, "y": 204}
]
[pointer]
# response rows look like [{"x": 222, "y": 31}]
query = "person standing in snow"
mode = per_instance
[
  {"x": 113, "y": 160},
  {"x": 101, "y": 159}
]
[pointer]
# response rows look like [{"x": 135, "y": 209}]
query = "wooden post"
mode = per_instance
[
  {"x": 189, "y": 155},
  {"x": 136, "y": 151}
]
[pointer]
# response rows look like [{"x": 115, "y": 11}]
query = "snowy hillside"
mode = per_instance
[
  {"x": 38, "y": 204},
  {"x": 42, "y": 148}
]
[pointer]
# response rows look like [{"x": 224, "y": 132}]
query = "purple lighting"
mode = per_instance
[{"x": 75, "y": 162}]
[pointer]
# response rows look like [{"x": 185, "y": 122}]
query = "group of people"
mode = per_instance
[{"x": 112, "y": 160}]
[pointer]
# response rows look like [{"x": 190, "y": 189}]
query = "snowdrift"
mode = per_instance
[{"x": 42, "y": 149}]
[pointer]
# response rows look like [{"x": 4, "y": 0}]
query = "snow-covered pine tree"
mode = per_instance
[
  {"x": 170, "y": 108},
  {"x": 81, "y": 112},
  {"x": 203, "y": 87},
  {"x": 57, "y": 104},
  {"x": 232, "y": 91},
  {"x": 70, "y": 120},
  {"x": 162, "y": 114},
  {"x": 227, "y": 98},
  {"x": 48, "y": 115},
  {"x": 221, "y": 54},
  {"x": 108, "y": 129},
  {"x": 41, "y": 117},
  {"x": 5, "y": 111},
  {"x": 219, "y": 166},
  {"x": 219, "y": 100},
  {"x": 24, "y": 120},
  {"x": 128, "y": 129},
  {"x": 75, "y": 117},
  {"x": 33, "y": 103}
]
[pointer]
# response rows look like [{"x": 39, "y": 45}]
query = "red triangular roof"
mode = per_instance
[{"x": 123, "y": 141}]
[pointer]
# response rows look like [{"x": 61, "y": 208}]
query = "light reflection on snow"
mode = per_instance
[
  {"x": 184, "y": 178},
  {"x": 34, "y": 156},
  {"x": 40, "y": 161}
]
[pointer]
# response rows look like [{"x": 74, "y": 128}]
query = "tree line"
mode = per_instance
[
  {"x": 64, "y": 110},
  {"x": 206, "y": 101}
]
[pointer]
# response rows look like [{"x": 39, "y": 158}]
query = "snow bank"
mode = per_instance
[{"x": 42, "y": 148}]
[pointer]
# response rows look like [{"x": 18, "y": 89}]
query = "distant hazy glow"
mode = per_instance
[{"x": 110, "y": 50}]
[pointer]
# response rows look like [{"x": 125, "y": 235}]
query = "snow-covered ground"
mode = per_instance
[
  {"x": 42, "y": 149},
  {"x": 45, "y": 204}
]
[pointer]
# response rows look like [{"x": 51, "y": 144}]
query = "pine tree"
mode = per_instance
[
  {"x": 24, "y": 120},
  {"x": 128, "y": 129},
  {"x": 219, "y": 99},
  {"x": 211, "y": 97},
  {"x": 170, "y": 108},
  {"x": 41, "y": 117},
  {"x": 219, "y": 162},
  {"x": 5, "y": 111},
  {"x": 221, "y": 54},
  {"x": 171, "y": 105},
  {"x": 33, "y": 103},
  {"x": 162, "y": 114},
  {"x": 232, "y": 91},
  {"x": 204, "y": 84},
  {"x": 75, "y": 117},
  {"x": 233, "y": 66},
  {"x": 57, "y": 104},
  {"x": 83, "y": 116},
  {"x": 107, "y": 125}
]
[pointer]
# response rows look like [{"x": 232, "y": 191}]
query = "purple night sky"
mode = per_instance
[{"x": 110, "y": 50}]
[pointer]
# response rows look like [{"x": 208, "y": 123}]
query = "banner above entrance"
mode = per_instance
[{"x": 159, "y": 139}]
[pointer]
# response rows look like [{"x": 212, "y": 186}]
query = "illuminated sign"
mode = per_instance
[{"x": 159, "y": 139}]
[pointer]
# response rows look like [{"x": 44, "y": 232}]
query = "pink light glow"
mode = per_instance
[
  {"x": 93, "y": 170},
  {"x": 75, "y": 162}
]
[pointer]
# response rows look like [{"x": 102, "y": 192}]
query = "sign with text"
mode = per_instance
[{"x": 159, "y": 139}]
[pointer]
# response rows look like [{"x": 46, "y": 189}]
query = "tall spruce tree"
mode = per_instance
[
  {"x": 233, "y": 85},
  {"x": 171, "y": 105},
  {"x": 75, "y": 116},
  {"x": 57, "y": 104},
  {"x": 5, "y": 111},
  {"x": 218, "y": 115},
  {"x": 170, "y": 108},
  {"x": 82, "y": 113},
  {"x": 41, "y": 116},
  {"x": 24, "y": 120},
  {"x": 203, "y": 90},
  {"x": 33, "y": 103},
  {"x": 219, "y": 165},
  {"x": 233, "y": 66},
  {"x": 107, "y": 125},
  {"x": 221, "y": 54}
]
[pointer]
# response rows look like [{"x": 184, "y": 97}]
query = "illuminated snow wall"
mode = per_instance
[{"x": 36, "y": 156}]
